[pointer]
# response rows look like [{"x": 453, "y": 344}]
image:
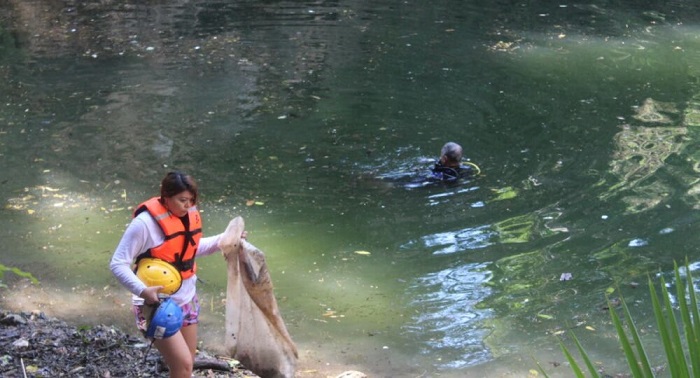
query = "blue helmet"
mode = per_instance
[{"x": 166, "y": 321}]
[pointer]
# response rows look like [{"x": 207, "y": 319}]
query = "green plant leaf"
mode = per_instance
[
  {"x": 586, "y": 359},
  {"x": 679, "y": 363},
  {"x": 572, "y": 362},
  {"x": 642, "y": 357},
  {"x": 685, "y": 314},
  {"x": 674, "y": 332},
  {"x": 544, "y": 373},
  {"x": 693, "y": 335},
  {"x": 625, "y": 343},
  {"x": 661, "y": 326},
  {"x": 18, "y": 272}
]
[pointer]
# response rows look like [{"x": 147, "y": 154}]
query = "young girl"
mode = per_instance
[{"x": 168, "y": 229}]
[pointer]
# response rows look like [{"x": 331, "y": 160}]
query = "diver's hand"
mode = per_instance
[{"x": 150, "y": 294}]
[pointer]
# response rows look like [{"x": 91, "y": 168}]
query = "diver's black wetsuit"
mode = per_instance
[
  {"x": 441, "y": 172},
  {"x": 436, "y": 175}
]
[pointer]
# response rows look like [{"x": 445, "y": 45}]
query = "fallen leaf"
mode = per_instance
[{"x": 505, "y": 193}]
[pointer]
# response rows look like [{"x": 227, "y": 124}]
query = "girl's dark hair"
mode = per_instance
[{"x": 177, "y": 182}]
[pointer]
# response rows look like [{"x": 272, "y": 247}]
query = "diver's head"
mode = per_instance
[{"x": 451, "y": 154}]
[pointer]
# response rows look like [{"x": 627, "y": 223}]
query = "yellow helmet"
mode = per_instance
[{"x": 156, "y": 272}]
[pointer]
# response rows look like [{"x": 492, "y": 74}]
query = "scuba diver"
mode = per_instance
[{"x": 449, "y": 167}]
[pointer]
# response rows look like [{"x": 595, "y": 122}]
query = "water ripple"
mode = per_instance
[
  {"x": 446, "y": 317},
  {"x": 460, "y": 240}
]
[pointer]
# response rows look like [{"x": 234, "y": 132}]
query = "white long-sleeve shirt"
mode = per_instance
[{"x": 142, "y": 234}]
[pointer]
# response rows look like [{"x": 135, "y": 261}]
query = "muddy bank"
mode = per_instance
[{"x": 35, "y": 345}]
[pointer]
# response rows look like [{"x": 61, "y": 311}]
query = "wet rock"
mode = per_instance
[
  {"x": 13, "y": 319},
  {"x": 20, "y": 344}
]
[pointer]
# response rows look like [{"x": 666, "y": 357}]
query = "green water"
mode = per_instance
[{"x": 304, "y": 117}]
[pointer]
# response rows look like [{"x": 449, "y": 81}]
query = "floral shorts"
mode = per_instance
[{"x": 189, "y": 310}]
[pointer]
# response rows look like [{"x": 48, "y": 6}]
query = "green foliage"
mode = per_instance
[
  {"x": 681, "y": 341},
  {"x": 16, "y": 271}
]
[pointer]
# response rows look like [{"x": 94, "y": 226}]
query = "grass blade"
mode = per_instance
[
  {"x": 664, "y": 326},
  {"x": 574, "y": 365},
  {"x": 586, "y": 359},
  {"x": 544, "y": 373},
  {"x": 681, "y": 362},
  {"x": 642, "y": 358},
  {"x": 694, "y": 310},
  {"x": 674, "y": 331},
  {"x": 688, "y": 325},
  {"x": 624, "y": 342}
]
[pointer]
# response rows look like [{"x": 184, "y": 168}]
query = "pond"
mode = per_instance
[{"x": 311, "y": 119}]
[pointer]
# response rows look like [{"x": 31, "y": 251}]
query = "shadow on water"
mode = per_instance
[{"x": 313, "y": 121}]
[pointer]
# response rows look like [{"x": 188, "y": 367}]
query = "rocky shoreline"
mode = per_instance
[
  {"x": 35, "y": 345},
  {"x": 44, "y": 332}
]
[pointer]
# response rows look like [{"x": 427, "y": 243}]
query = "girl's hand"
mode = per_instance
[{"x": 150, "y": 294}]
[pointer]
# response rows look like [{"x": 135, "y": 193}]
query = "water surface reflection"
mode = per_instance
[
  {"x": 305, "y": 117},
  {"x": 448, "y": 320}
]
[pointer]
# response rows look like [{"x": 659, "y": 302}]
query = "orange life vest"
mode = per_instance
[{"x": 180, "y": 245}]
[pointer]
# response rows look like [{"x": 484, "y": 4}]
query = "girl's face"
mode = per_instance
[{"x": 180, "y": 203}]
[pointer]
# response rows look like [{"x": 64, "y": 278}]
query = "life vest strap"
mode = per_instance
[
  {"x": 187, "y": 234},
  {"x": 184, "y": 265}
]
